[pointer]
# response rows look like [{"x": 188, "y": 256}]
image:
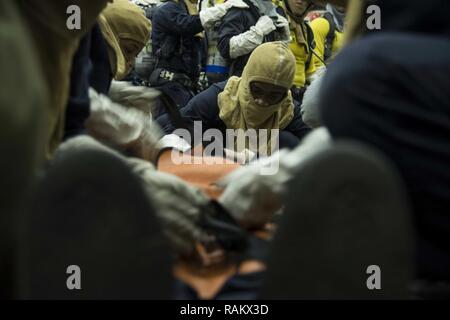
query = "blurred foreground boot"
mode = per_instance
[
  {"x": 92, "y": 234},
  {"x": 346, "y": 231}
]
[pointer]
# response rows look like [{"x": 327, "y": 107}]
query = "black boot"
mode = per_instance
[
  {"x": 346, "y": 215},
  {"x": 92, "y": 234}
]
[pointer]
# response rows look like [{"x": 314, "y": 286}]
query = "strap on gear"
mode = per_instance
[{"x": 330, "y": 36}]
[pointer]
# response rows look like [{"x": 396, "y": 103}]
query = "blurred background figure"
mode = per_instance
[
  {"x": 217, "y": 67},
  {"x": 302, "y": 43},
  {"x": 179, "y": 48},
  {"x": 389, "y": 90},
  {"x": 329, "y": 34},
  {"x": 243, "y": 29},
  {"x": 260, "y": 99},
  {"x": 55, "y": 46}
]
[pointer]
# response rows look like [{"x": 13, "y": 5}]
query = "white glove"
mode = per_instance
[
  {"x": 145, "y": 2},
  {"x": 139, "y": 97},
  {"x": 172, "y": 141},
  {"x": 265, "y": 25},
  {"x": 246, "y": 42},
  {"x": 235, "y": 4},
  {"x": 283, "y": 25},
  {"x": 124, "y": 128},
  {"x": 252, "y": 197},
  {"x": 244, "y": 157},
  {"x": 209, "y": 16},
  {"x": 281, "y": 22}
]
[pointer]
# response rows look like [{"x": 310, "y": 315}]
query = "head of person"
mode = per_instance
[
  {"x": 260, "y": 100},
  {"x": 126, "y": 30},
  {"x": 266, "y": 81},
  {"x": 338, "y": 14},
  {"x": 299, "y": 8}
]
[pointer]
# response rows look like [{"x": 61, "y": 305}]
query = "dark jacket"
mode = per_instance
[
  {"x": 235, "y": 22},
  {"x": 90, "y": 68},
  {"x": 101, "y": 75},
  {"x": 173, "y": 39},
  {"x": 204, "y": 107},
  {"x": 390, "y": 91},
  {"x": 78, "y": 106}
]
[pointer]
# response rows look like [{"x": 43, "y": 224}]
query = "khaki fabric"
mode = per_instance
[
  {"x": 272, "y": 63},
  {"x": 22, "y": 105},
  {"x": 123, "y": 20},
  {"x": 22, "y": 131},
  {"x": 192, "y": 7},
  {"x": 297, "y": 25},
  {"x": 301, "y": 51},
  {"x": 55, "y": 46},
  {"x": 355, "y": 20}
]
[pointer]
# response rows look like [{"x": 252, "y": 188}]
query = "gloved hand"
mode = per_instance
[
  {"x": 209, "y": 16},
  {"x": 235, "y": 4},
  {"x": 178, "y": 205},
  {"x": 283, "y": 25},
  {"x": 246, "y": 42},
  {"x": 143, "y": 2},
  {"x": 124, "y": 128},
  {"x": 264, "y": 26},
  {"x": 252, "y": 197},
  {"x": 253, "y": 193},
  {"x": 139, "y": 97},
  {"x": 281, "y": 22},
  {"x": 172, "y": 141}
]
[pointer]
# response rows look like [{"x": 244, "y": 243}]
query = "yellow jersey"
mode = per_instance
[{"x": 321, "y": 28}]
